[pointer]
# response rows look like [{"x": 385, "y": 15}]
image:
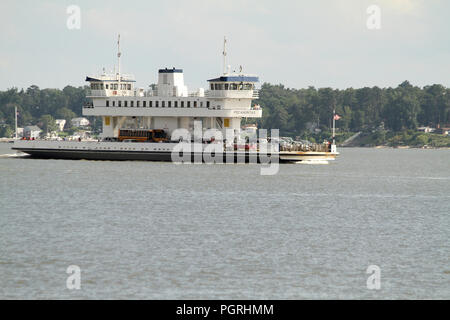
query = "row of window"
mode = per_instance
[
  {"x": 121, "y": 148},
  {"x": 156, "y": 104},
  {"x": 213, "y": 86},
  {"x": 110, "y": 86},
  {"x": 231, "y": 86}
]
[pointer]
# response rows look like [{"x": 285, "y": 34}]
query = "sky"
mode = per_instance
[{"x": 322, "y": 43}]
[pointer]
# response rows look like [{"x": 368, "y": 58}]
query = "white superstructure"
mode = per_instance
[{"x": 168, "y": 105}]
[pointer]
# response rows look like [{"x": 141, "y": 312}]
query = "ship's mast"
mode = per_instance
[
  {"x": 118, "y": 56},
  {"x": 224, "y": 55}
]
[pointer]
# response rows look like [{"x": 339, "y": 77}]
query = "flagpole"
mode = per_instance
[
  {"x": 334, "y": 126},
  {"x": 15, "y": 114}
]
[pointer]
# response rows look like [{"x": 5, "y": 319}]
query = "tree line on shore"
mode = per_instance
[
  {"x": 299, "y": 111},
  {"x": 296, "y": 112},
  {"x": 40, "y": 107}
]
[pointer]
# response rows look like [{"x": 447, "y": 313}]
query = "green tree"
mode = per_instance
[
  {"x": 47, "y": 123},
  {"x": 422, "y": 139},
  {"x": 6, "y": 131},
  {"x": 66, "y": 114}
]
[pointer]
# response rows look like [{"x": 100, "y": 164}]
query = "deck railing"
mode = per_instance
[{"x": 306, "y": 147}]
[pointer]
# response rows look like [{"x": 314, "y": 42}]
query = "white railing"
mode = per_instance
[
  {"x": 112, "y": 93},
  {"x": 96, "y": 93}
]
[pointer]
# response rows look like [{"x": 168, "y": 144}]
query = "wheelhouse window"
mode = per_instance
[
  {"x": 137, "y": 104},
  {"x": 188, "y": 104},
  {"x": 226, "y": 86},
  {"x": 248, "y": 86},
  {"x": 131, "y": 103},
  {"x": 144, "y": 104},
  {"x": 175, "y": 104},
  {"x": 107, "y": 86},
  {"x": 120, "y": 103},
  {"x": 107, "y": 103},
  {"x": 125, "y": 103},
  {"x": 129, "y": 86},
  {"x": 156, "y": 104},
  {"x": 114, "y": 103},
  {"x": 182, "y": 104},
  {"x": 169, "y": 104},
  {"x": 150, "y": 103},
  {"x": 97, "y": 86},
  {"x": 207, "y": 104},
  {"x": 211, "y": 86},
  {"x": 163, "y": 104},
  {"x": 195, "y": 104}
]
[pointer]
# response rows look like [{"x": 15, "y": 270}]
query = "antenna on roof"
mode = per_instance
[
  {"x": 224, "y": 55},
  {"x": 118, "y": 55}
]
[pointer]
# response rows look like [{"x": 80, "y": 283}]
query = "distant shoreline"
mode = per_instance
[
  {"x": 399, "y": 147},
  {"x": 9, "y": 140}
]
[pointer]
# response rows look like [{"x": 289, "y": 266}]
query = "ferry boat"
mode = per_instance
[{"x": 169, "y": 123}]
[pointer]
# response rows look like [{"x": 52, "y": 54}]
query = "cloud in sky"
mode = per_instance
[{"x": 298, "y": 43}]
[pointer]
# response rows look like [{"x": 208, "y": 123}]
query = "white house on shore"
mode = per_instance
[
  {"x": 60, "y": 123},
  {"x": 31, "y": 132},
  {"x": 425, "y": 129},
  {"x": 19, "y": 132},
  {"x": 79, "y": 122}
]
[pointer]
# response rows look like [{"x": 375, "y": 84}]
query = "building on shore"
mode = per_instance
[
  {"x": 60, "y": 123},
  {"x": 31, "y": 132},
  {"x": 425, "y": 129},
  {"x": 19, "y": 132},
  {"x": 79, "y": 122},
  {"x": 444, "y": 131}
]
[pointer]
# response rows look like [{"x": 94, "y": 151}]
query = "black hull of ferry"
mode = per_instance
[{"x": 139, "y": 156}]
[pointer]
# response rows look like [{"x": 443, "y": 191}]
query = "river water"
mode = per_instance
[{"x": 146, "y": 230}]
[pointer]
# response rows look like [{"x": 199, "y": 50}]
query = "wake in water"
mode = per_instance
[
  {"x": 313, "y": 162},
  {"x": 13, "y": 155}
]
